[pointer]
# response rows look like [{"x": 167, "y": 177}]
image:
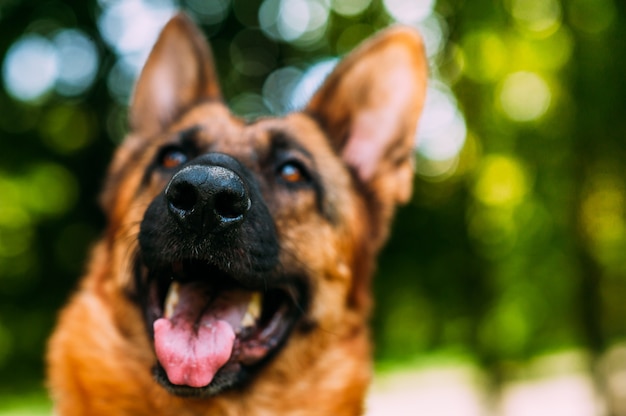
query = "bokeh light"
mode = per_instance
[
  {"x": 603, "y": 219},
  {"x": 30, "y": 68},
  {"x": 293, "y": 18},
  {"x": 542, "y": 17},
  {"x": 131, "y": 27},
  {"x": 311, "y": 80},
  {"x": 441, "y": 131},
  {"x": 77, "y": 60},
  {"x": 409, "y": 12},
  {"x": 249, "y": 105},
  {"x": 501, "y": 181},
  {"x": 525, "y": 96},
  {"x": 549, "y": 53},
  {"x": 210, "y": 12},
  {"x": 433, "y": 30},
  {"x": 120, "y": 81},
  {"x": 48, "y": 189},
  {"x": 300, "y": 22},
  {"x": 67, "y": 128},
  {"x": 279, "y": 87},
  {"x": 349, "y": 7},
  {"x": 485, "y": 55}
]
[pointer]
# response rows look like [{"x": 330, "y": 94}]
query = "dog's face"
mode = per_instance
[
  {"x": 245, "y": 225},
  {"x": 244, "y": 245}
]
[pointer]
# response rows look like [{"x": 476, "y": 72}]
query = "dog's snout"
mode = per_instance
[{"x": 207, "y": 199}]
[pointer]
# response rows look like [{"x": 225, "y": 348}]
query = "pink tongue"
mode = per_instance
[{"x": 197, "y": 340}]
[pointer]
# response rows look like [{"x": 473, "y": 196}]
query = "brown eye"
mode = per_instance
[
  {"x": 292, "y": 172},
  {"x": 172, "y": 157}
]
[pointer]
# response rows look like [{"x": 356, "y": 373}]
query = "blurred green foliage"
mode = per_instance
[{"x": 510, "y": 248}]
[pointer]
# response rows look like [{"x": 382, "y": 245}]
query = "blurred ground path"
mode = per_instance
[{"x": 457, "y": 392}]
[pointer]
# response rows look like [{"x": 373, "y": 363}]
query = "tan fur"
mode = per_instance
[{"x": 100, "y": 356}]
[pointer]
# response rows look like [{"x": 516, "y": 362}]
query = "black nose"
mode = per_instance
[{"x": 207, "y": 199}]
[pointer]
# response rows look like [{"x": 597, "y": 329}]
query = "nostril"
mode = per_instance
[
  {"x": 231, "y": 205},
  {"x": 182, "y": 196}
]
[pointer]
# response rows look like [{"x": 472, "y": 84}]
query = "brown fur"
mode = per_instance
[{"x": 359, "y": 128}]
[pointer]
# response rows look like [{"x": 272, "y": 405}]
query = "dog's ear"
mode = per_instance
[
  {"x": 369, "y": 106},
  {"x": 178, "y": 73}
]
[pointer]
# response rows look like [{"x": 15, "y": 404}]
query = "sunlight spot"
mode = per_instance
[
  {"x": 524, "y": 96},
  {"x": 485, "y": 56},
  {"x": 30, "y": 68},
  {"x": 49, "y": 189},
  {"x": 502, "y": 181},
  {"x": 78, "y": 62},
  {"x": 409, "y": 12},
  {"x": 551, "y": 53},
  {"x": 15, "y": 240},
  {"x": 120, "y": 81},
  {"x": 210, "y": 12},
  {"x": 506, "y": 327},
  {"x": 602, "y": 213},
  {"x": 442, "y": 129},
  {"x": 301, "y": 22},
  {"x": 268, "y": 12},
  {"x": 310, "y": 82},
  {"x": 293, "y": 19},
  {"x": 131, "y": 27},
  {"x": 538, "y": 16},
  {"x": 67, "y": 128},
  {"x": 349, "y": 7},
  {"x": 278, "y": 89},
  {"x": 12, "y": 214},
  {"x": 436, "y": 170},
  {"x": 249, "y": 105},
  {"x": 433, "y": 30}
]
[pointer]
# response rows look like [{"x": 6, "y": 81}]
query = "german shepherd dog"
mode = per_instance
[{"x": 233, "y": 277}]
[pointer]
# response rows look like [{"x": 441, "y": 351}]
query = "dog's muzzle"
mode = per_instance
[{"x": 218, "y": 303}]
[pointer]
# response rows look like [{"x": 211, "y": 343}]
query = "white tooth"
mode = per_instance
[
  {"x": 253, "y": 312},
  {"x": 254, "y": 307},
  {"x": 171, "y": 300},
  {"x": 247, "y": 320}
]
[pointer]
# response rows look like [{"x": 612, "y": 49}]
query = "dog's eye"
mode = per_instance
[
  {"x": 292, "y": 172},
  {"x": 171, "y": 157}
]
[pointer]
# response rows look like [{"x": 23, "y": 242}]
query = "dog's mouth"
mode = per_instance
[{"x": 209, "y": 329}]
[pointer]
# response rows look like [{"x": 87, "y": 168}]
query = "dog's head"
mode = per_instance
[{"x": 250, "y": 239}]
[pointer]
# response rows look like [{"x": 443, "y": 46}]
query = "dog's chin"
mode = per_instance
[
  {"x": 226, "y": 379},
  {"x": 210, "y": 331}
]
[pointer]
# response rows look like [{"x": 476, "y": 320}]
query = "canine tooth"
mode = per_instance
[
  {"x": 171, "y": 300},
  {"x": 253, "y": 312},
  {"x": 247, "y": 320},
  {"x": 254, "y": 307}
]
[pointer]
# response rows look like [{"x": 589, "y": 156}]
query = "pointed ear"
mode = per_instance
[
  {"x": 178, "y": 73},
  {"x": 369, "y": 106}
]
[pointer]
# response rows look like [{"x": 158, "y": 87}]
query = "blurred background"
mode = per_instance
[{"x": 503, "y": 288}]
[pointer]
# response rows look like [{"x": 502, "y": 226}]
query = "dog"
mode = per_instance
[{"x": 233, "y": 276}]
